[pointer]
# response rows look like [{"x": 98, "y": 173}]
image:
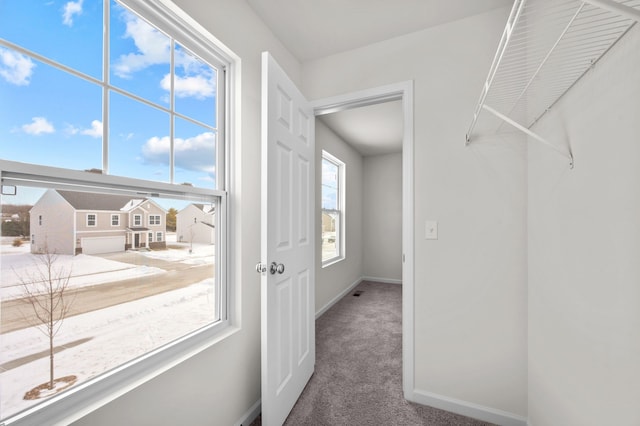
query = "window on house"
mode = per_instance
[
  {"x": 163, "y": 91},
  {"x": 40, "y": 220},
  {"x": 332, "y": 209},
  {"x": 150, "y": 235}
]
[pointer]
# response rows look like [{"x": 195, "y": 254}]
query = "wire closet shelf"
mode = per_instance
[{"x": 546, "y": 47}]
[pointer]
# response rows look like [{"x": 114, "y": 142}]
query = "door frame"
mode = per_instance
[{"x": 402, "y": 91}]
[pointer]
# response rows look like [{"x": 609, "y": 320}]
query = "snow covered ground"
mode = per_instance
[{"x": 101, "y": 340}]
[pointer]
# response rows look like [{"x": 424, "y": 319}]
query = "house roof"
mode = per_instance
[
  {"x": 91, "y": 201},
  {"x": 207, "y": 208}
]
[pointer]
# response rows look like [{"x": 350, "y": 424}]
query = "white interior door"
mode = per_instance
[{"x": 288, "y": 273}]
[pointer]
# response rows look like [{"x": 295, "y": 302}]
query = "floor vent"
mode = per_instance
[{"x": 358, "y": 293}]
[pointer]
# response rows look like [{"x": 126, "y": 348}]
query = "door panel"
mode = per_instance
[{"x": 288, "y": 303}]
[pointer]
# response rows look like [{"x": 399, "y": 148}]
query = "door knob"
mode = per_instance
[
  {"x": 261, "y": 267},
  {"x": 276, "y": 267}
]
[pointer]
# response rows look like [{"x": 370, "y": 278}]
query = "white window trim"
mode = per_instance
[
  {"x": 161, "y": 239},
  {"x": 95, "y": 220},
  {"x": 341, "y": 211},
  {"x": 154, "y": 222},
  {"x": 137, "y": 220},
  {"x": 115, "y": 216},
  {"x": 95, "y": 393}
]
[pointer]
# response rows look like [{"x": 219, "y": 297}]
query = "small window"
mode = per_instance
[
  {"x": 332, "y": 209},
  {"x": 150, "y": 237},
  {"x": 159, "y": 237},
  {"x": 115, "y": 220},
  {"x": 137, "y": 220},
  {"x": 154, "y": 219},
  {"x": 91, "y": 219},
  {"x": 40, "y": 220}
]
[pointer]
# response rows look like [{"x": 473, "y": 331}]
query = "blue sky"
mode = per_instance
[{"x": 51, "y": 117}]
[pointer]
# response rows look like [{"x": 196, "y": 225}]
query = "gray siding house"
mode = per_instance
[{"x": 69, "y": 222}]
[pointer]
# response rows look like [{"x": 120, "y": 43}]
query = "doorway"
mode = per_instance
[{"x": 402, "y": 92}]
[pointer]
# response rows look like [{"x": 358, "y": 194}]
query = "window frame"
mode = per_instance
[
  {"x": 117, "y": 217},
  {"x": 94, "y": 393},
  {"x": 340, "y": 212},
  {"x": 159, "y": 237},
  {"x": 95, "y": 220},
  {"x": 153, "y": 221}
]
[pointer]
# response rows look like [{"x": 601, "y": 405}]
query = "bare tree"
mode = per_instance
[{"x": 45, "y": 288}]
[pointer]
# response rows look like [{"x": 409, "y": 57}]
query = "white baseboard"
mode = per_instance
[
  {"x": 468, "y": 409},
  {"x": 251, "y": 414},
  {"x": 333, "y": 301},
  {"x": 382, "y": 280}
]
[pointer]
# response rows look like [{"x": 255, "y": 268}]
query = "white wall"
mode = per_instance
[
  {"x": 218, "y": 386},
  {"x": 470, "y": 285},
  {"x": 584, "y": 251},
  {"x": 333, "y": 280},
  {"x": 382, "y": 217}
]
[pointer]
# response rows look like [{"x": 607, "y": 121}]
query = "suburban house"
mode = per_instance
[
  {"x": 70, "y": 222},
  {"x": 196, "y": 224},
  {"x": 519, "y": 267}
]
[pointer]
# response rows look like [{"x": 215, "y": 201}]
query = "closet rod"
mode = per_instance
[{"x": 517, "y": 8}]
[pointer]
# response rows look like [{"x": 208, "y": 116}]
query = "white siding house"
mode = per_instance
[{"x": 196, "y": 224}]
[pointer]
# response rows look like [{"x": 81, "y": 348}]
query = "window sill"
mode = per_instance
[
  {"x": 93, "y": 394},
  {"x": 333, "y": 261}
]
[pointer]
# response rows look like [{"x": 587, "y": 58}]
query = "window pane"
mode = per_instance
[
  {"x": 329, "y": 185},
  {"x": 195, "y": 154},
  {"x": 140, "y": 56},
  {"x": 36, "y": 127},
  {"x": 139, "y": 144},
  {"x": 44, "y": 26},
  {"x": 330, "y": 235},
  {"x": 195, "y": 87},
  {"x": 128, "y": 289}
]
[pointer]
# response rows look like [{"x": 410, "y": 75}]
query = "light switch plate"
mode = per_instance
[{"x": 431, "y": 230}]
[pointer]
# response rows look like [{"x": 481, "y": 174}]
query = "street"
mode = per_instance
[{"x": 18, "y": 313}]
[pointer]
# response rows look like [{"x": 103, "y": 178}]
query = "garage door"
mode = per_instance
[{"x": 97, "y": 245}]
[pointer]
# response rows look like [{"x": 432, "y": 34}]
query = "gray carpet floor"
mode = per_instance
[{"x": 358, "y": 373}]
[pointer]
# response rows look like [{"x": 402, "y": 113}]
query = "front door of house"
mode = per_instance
[
  {"x": 136, "y": 240},
  {"x": 288, "y": 243}
]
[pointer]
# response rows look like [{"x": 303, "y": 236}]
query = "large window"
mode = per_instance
[
  {"x": 332, "y": 209},
  {"x": 105, "y": 132}
]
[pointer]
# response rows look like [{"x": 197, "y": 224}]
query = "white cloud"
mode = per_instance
[
  {"x": 38, "y": 126},
  {"x": 95, "y": 131},
  {"x": 196, "y": 154},
  {"x": 70, "y": 9},
  {"x": 153, "y": 47},
  {"x": 197, "y": 86},
  {"x": 15, "y": 67}
]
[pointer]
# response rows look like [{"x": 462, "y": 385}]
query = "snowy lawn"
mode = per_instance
[
  {"x": 110, "y": 337},
  {"x": 200, "y": 253}
]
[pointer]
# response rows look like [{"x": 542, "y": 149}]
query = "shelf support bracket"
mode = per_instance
[
  {"x": 615, "y": 7},
  {"x": 530, "y": 133}
]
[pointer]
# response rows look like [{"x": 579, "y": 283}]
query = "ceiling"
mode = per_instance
[
  {"x": 312, "y": 29},
  {"x": 370, "y": 130}
]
